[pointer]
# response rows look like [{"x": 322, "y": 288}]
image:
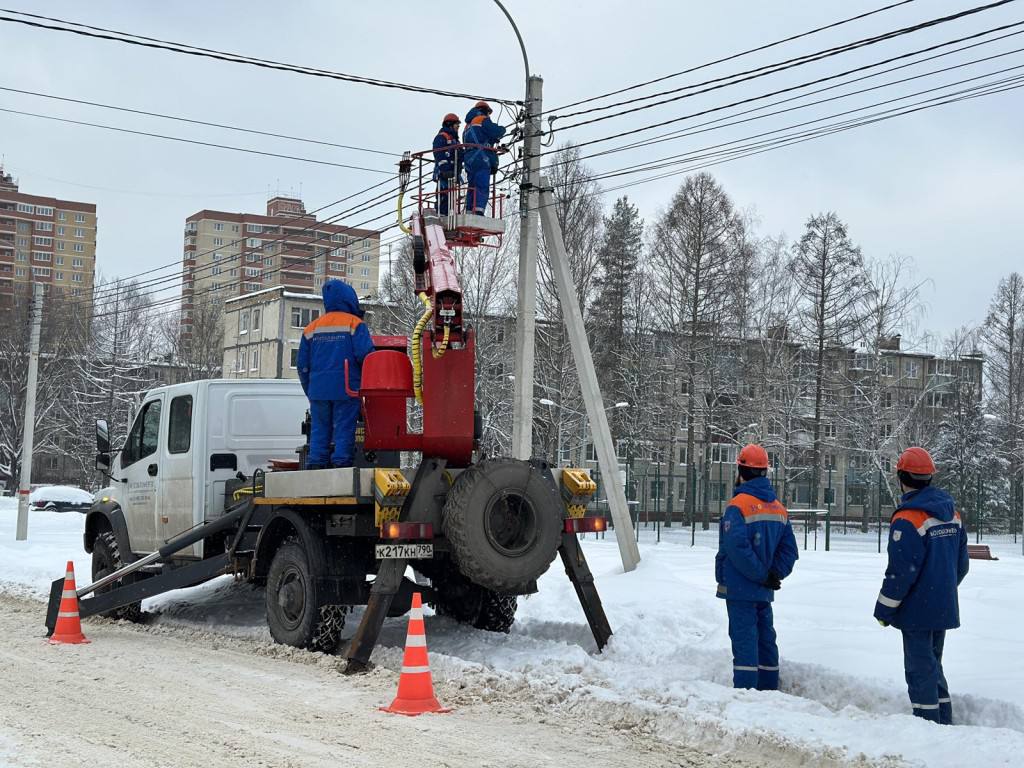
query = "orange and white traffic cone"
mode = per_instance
[
  {"x": 415, "y": 685},
  {"x": 68, "y": 629}
]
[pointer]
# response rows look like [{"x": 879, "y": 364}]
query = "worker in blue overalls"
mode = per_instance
[
  {"x": 756, "y": 551},
  {"x": 447, "y": 161},
  {"x": 927, "y": 561},
  {"x": 481, "y": 159},
  {"x": 336, "y": 337}
]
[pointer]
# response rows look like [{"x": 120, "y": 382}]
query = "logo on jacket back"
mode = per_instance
[{"x": 897, "y": 535}]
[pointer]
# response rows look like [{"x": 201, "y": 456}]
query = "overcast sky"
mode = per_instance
[{"x": 942, "y": 186}]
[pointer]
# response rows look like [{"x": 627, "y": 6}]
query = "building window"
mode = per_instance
[
  {"x": 76, "y": 277},
  {"x": 59, "y": 261},
  {"x": 268, "y": 261},
  {"x": 254, "y": 228},
  {"x": 365, "y": 286},
  {"x": 215, "y": 270},
  {"x": 79, "y": 232},
  {"x": 366, "y": 257},
  {"x": 21, "y": 242},
  {"x": 60, "y": 231},
  {"x": 40, "y": 271},
  {"x": 293, "y": 358},
  {"x": 234, "y": 227},
  {"x": 19, "y": 272},
  {"x": 60, "y": 245},
  {"x": 252, "y": 258},
  {"x": 61, "y": 216},
  {"x": 217, "y": 256},
  {"x": 78, "y": 247},
  {"x": 43, "y": 210},
  {"x": 179, "y": 431},
  {"x": 76, "y": 263},
  {"x": 218, "y": 241},
  {"x": 44, "y": 226},
  {"x": 79, "y": 218},
  {"x": 40, "y": 256},
  {"x": 58, "y": 275},
  {"x": 912, "y": 369},
  {"x": 253, "y": 272},
  {"x": 887, "y": 430},
  {"x": 301, "y": 317},
  {"x": 828, "y": 430},
  {"x": 42, "y": 241},
  {"x": 255, "y": 319},
  {"x": 22, "y": 256},
  {"x": 26, "y": 208},
  {"x": 254, "y": 242},
  {"x": 255, "y": 363},
  {"x": 243, "y": 322},
  {"x": 366, "y": 272}
]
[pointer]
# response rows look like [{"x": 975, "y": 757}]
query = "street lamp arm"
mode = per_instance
[{"x": 519, "y": 37}]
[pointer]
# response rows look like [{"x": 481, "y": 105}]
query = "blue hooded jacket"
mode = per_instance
[
  {"x": 754, "y": 538},
  {"x": 480, "y": 129},
  {"x": 927, "y": 562},
  {"x": 336, "y": 336},
  {"x": 447, "y": 162}
]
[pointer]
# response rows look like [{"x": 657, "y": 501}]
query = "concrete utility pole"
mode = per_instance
[
  {"x": 589, "y": 388},
  {"x": 522, "y": 415},
  {"x": 25, "y": 481}
]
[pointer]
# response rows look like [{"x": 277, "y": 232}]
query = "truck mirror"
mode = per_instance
[
  {"x": 102, "y": 437},
  {"x": 103, "y": 462}
]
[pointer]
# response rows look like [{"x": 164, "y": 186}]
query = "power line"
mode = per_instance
[
  {"x": 182, "y": 140},
  {"x": 789, "y": 89},
  {"x": 733, "y": 56},
  {"x": 198, "y": 122},
  {"x": 129, "y": 38},
  {"x": 728, "y": 121},
  {"x": 769, "y": 69}
]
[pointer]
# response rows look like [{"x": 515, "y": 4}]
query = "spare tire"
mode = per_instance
[{"x": 503, "y": 519}]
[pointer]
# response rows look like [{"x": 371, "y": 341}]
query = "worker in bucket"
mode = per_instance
[
  {"x": 756, "y": 551},
  {"x": 481, "y": 159},
  {"x": 447, "y": 161},
  {"x": 927, "y": 562},
  {"x": 336, "y": 337}
]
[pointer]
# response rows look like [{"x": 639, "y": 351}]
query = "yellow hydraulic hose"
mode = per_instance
[
  {"x": 439, "y": 352},
  {"x": 417, "y": 357},
  {"x": 401, "y": 221}
]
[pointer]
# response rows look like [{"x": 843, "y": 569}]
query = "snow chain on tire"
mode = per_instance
[{"x": 327, "y": 634}]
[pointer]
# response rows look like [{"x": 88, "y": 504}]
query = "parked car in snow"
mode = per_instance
[{"x": 60, "y": 498}]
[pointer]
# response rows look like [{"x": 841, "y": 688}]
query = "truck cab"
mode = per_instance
[{"x": 186, "y": 442}]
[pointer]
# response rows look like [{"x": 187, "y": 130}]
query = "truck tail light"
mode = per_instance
[
  {"x": 397, "y": 530},
  {"x": 585, "y": 524}
]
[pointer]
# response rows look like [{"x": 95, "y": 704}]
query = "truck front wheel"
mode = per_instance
[
  {"x": 296, "y": 615},
  {"x": 106, "y": 558}
]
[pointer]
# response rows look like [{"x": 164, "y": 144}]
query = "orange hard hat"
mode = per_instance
[
  {"x": 451, "y": 117},
  {"x": 483, "y": 105},
  {"x": 916, "y": 461},
  {"x": 753, "y": 456}
]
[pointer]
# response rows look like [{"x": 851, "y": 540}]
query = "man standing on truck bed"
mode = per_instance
[{"x": 336, "y": 337}]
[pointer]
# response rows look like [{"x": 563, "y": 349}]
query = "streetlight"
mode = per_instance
[{"x": 551, "y": 403}]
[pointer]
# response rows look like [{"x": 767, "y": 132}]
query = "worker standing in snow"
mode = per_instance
[
  {"x": 447, "y": 162},
  {"x": 927, "y": 562},
  {"x": 481, "y": 160},
  {"x": 756, "y": 551},
  {"x": 336, "y": 337}
]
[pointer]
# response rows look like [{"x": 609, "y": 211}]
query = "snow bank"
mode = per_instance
[{"x": 667, "y": 671}]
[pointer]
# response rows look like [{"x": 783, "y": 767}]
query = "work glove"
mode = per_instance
[
  {"x": 773, "y": 582},
  {"x": 883, "y": 623}
]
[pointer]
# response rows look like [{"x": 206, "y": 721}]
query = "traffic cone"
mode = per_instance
[
  {"x": 415, "y": 686},
  {"x": 68, "y": 629}
]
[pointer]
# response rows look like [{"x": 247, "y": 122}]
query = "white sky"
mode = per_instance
[{"x": 942, "y": 186}]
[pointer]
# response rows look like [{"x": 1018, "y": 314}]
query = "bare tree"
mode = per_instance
[
  {"x": 1003, "y": 336},
  {"x": 199, "y": 348},
  {"x": 695, "y": 254},
  {"x": 829, "y": 271}
]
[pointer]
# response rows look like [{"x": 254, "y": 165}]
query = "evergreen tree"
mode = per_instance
[{"x": 618, "y": 260}]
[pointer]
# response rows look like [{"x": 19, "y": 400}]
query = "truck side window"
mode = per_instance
[
  {"x": 142, "y": 440},
  {"x": 179, "y": 432}
]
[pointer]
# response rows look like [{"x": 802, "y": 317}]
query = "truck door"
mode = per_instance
[
  {"x": 177, "y": 484},
  {"x": 140, "y": 470}
]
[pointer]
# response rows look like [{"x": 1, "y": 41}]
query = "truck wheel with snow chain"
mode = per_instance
[
  {"x": 469, "y": 603},
  {"x": 106, "y": 558},
  {"x": 296, "y": 614},
  {"x": 503, "y": 520}
]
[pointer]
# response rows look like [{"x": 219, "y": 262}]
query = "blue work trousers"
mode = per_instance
[
  {"x": 755, "y": 654},
  {"x": 478, "y": 190},
  {"x": 926, "y": 683},
  {"x": 332, "y": 420},
  {"x": 443, "y": 195}
]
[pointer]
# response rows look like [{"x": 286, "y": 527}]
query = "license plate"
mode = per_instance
[{"x": 405, "y": 551}]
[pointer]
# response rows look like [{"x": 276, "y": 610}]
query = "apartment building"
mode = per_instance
[
  {"x": 262, "y": 331},
  {"x": 227, "y": 255},
  {"x": 45, "y": 240}
]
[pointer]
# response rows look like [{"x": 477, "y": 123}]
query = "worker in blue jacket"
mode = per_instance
[
  {"x": 447, "y": 161},
  {"x": 756, "y": 551},
  {"x": 481, "y": 161},
  {"x": 336, "y": 337},
  {"x": 927, "y": 562}
]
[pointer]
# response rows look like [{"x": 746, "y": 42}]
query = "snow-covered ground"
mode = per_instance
[{"x": 667, "y": 670}]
